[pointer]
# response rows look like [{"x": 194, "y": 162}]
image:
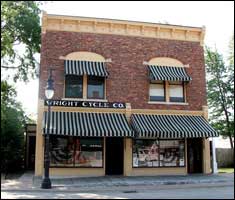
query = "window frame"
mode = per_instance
[
  {"x": 104, "y": 88},
  {"x": 167, "y": 94},
  {"x": 74, "y": 165},
  {"x": 144, "y": 167},
  {"x": 183, "y": 87},
  {"x": 66, "y": 76},
  {"x": 164, "y": 90},
  {"x": 84, "y": 91}
]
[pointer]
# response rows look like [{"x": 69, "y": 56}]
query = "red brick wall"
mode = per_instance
[{"x": 128, "y": 77}]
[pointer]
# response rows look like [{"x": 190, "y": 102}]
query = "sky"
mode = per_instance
[{"x": 217, "y": 17}]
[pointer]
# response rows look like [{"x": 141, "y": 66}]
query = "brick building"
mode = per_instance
[{"x": 130, "y": 98}]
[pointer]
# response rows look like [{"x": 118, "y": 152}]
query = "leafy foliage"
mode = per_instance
[
  {"x": 12, "y": 128},
  {"x": 20, "y": 25},
  {"x": 231, "y": 52},
  {"x": 220, "y": 87}
]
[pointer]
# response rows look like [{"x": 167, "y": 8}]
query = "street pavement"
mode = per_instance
[{"x": 189, "y": 186}]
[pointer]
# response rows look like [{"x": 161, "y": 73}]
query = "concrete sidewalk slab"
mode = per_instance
[{"x": 28, "y": 182}]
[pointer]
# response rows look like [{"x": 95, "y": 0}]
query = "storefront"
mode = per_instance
[
  {"x": 105, "y": 143},
  {"x": 114, "y": 113}
]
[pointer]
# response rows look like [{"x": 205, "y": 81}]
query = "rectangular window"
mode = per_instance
[
  {"x": 158, "y": 153},
  {"x": 171, "y": 153},
  {"x": 61, "y": 151},
  {"x": 145, "y": 153},
  {"x": 76, "y": 152},
  {"x": 89, "y": 153},
  {"x": 157, "y": 91},
  {"x": 73, "y": 86},
  {"x": 176, "y": 91},
  {"x": 95, "y": 87}
]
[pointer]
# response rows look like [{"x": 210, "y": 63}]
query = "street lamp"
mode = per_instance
[{"x": 49, "y": 92}]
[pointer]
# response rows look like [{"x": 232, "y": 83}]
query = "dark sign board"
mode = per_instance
[{"x": 84, "y": 104}]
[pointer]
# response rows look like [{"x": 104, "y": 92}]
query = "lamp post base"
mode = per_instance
[{"x": 46, "y": 183}]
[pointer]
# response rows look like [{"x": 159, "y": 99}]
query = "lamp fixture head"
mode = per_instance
[{"x": 49, "y": 92}]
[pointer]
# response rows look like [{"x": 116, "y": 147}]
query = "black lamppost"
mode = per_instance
[{"x": 49, "y": 92}]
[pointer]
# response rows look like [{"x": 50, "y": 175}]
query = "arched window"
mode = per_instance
[
  {"x": 85, "y": 56},
  {"x": 165, "y": 61},
  {"x": 89, "y": 83},
  {"x": 168, "y": 78}
]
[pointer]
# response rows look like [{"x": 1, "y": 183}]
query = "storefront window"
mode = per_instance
[
  {"x": 90, "y": 154},
  {"x": 171, "y": 153},
  {"x": 60, "y": 155},
  {"x": 76, "y": 152},
  {"x": 145, "y": 153},
  {"x": 95, "y": 87},
  {"x": 73, "y": 86},
  {"x": 158, "y": 153}
]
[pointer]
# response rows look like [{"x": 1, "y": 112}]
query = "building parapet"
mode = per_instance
[{"x": 51, "y": 22}]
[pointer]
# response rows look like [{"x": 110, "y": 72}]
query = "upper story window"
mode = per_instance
[
  {"x": 95, "y": 87},
  {"x": 176, "y": 90},
  {"x": 167, "y": 80},
  {"x": 85, "y": 75},
  {"x": 73, "y": 86},
  {"x": 157, "y": 91}
]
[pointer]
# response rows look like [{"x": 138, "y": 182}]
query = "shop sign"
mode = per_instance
[{"x": 85, "y": 104}]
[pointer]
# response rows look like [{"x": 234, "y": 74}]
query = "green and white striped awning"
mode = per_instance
[
  {"x": 171, "y": 126},
  {"x": 87, "y": 124},
  {"x": 77, "y": 67},
  {"x": 165, "y": 73}
]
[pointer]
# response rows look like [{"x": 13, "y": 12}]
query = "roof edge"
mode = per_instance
[{"x": 121, "y": 27}]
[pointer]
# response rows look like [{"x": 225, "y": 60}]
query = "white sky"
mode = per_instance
[{"x": 217, "y": 16}]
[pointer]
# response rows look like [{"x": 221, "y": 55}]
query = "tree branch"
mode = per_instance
[{"x": 9, "y": 67}]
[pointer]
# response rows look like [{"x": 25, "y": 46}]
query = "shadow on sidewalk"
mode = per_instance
[{"x": 28, "y": 181}]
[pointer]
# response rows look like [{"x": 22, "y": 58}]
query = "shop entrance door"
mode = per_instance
[
  {"x": 194, "y": 152},
  {"x": 114, "y": 156}
]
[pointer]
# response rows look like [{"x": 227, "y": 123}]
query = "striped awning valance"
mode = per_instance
[
  {"x": 77, "y": 67},
  {"x": 87, "y": 124},
  {"x": 171, "y": 126},
  {"x": 165, "y": 73}
]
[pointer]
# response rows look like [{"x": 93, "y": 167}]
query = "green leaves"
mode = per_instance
[
  {"x": 20, "y": 24},
  {"x": 220, "y": 92},
  {"x": 20, "y": 41},
  {"x": 12, "y": 128}
]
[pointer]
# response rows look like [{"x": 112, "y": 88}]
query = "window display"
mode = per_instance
[
  {"x": 89, "y": 154},
  {"x": 145, "y": 153},
  {"x": 170, "y": 153},
  {"x": 158, "y": 153},
  {"x": 76, "y": 152}
]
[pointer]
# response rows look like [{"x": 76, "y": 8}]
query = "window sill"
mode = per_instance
[
  {"x": 79, "y": 99},
  {"x": 168, "y": 103}
]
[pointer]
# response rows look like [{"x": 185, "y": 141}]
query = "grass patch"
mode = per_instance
[{"x": 226, "y": 170}]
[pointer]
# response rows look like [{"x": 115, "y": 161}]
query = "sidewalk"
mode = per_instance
[{"x": 28, "y": 182}]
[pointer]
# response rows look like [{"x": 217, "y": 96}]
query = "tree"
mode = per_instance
[
  {"x": 231, "y": 52},
  {"x": 20, "y": 28},
  {"x": 220, "y": 87},
  {"x": 12, "y": 128}
]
